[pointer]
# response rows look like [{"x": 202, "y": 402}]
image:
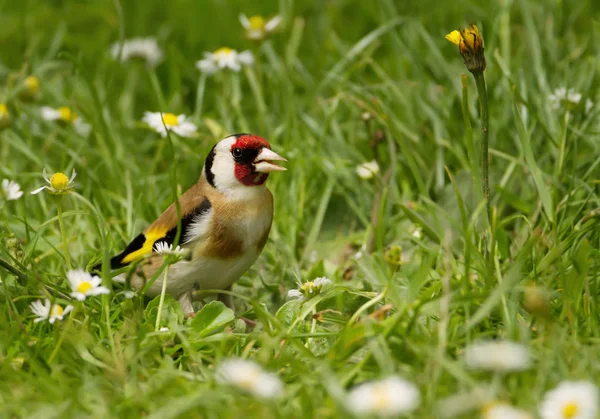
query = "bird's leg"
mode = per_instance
[
  {"x": 226, "y": 299},
  {"x": 186, "y": 304}
]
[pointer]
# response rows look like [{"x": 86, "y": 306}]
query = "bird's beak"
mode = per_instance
[{"x": 264, "y": 162}]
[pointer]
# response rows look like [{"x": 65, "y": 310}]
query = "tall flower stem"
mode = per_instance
[
  {"x": 63, "y": 233},
  {"x": 483, "y": 106},
  {"x": 161, "y": 302}
]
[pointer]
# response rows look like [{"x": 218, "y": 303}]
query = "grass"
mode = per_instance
[{"x": 402, "y": 302}]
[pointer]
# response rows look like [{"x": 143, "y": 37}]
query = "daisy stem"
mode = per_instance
[
  {"x": 483, "y": 106},
  {"x": 199, "y": 97},
  {"x": 162, "y": 298},
  {"x": 63, "y": 233}
]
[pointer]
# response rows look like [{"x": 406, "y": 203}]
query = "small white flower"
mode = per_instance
[
  {"x": 391, "y": 396},
  {"x": 250, "y": 377},
  {"x": 81, "y": 127},
  {"x": 257, "y": 27},
  {"x": 367, "y": 170},
  {"x": 562, "y": 96},
  {"x": 172, "y": 122},
  {"x": 165, "y": 249},
  {"x": 128, "y": 294},
  {"x": 84, "y": 284},
  {"x": 321, "y": 282},
  {"x": 296, "y": 294},
  {"x": 310, "y": 288},
  {"x": 588, "y": 105},
  {"x": 11, "y": 190},
  {"x": 497, "y": 356},
  {"x": 45, "y": 311},
  {"x": 571, "y": 400},
  {"x": 224, "y": 58},
  {"x": 504, "y": 411},
  {"x": 58, "y": 183},
  {"x": 65, "y": 115},
  {"x": 164, "y": 329},
  {"x": 417, "y": 232},
  {"x": 144, "y": 49}
]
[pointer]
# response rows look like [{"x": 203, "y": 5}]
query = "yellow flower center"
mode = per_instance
[
  {"x": 223, "y": 51},
  {"x": 59, "y": 181},
  {"x": 84, "y": 287},
  {"x": 33, "y": 84},
  {"x": 66, "y": 114},
  {"x": 381, "y": 399},
  {"x": 3, "y": 110},
  {"x": 257, "y": 23},
  {"x": 170, "y": 119},
  {"x": 57, "y": 310},
  {"x": 570, "y": 410},
  {"x": 249, "y": 381}
]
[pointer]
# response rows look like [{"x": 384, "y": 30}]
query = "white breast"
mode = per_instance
[{"x": 207, "y": 273}]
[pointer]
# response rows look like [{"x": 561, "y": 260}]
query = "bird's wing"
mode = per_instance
[{"x": 196, "y": 213}]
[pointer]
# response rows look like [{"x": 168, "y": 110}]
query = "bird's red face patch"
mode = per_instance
[
  {"x": 249, "y": 141},
  {"x": 244, "y": 151}
]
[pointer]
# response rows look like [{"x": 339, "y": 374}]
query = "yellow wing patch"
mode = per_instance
[{"x": 151, "y": 237}]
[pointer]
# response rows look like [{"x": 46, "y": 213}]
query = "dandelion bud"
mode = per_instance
[
  {"x": 536, "y": 301},
  {"x": 470, "y": 46}
]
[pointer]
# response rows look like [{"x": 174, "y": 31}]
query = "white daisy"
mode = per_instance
[
  {"x": 177, "y": 124},
  {"x": 416, "y": 232},
  {"x": 367, "y": 170},
  {"x": 500, "y": 356},
  {"x": 257, "y": 27},
  {"x": 11, "y": 190},
  {"x": 561, "y": 96},
  {"x": 310, "y": 288},
  {"x": 504, "y": 411},
  {"x": 46, "y": 311},
  {"x": 250, "y": 377},
  {"x": 224, "y": 58},
  {"x": 65, "y": 115},
  {"x": 391, "y": 396},
  {"x": 571, "y": 400},
  {"x": 84, "y": 284},
  {"x": 162, "y": 248},
  {"x": 143, "y": 49},
  {"x": 58, "y": 183}
]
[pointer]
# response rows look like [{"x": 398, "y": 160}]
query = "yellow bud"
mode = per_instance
[
  {"x": 536, "y": 300},
  {"x": 32, "y": 83},
  {"x": 470, "y": 46},
  {"x": 59, "y": 181}
]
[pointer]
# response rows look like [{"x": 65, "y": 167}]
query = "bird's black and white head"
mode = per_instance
[{"x": 239, "y": 165}]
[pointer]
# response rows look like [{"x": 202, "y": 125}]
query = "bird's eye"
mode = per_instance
[{"x": 237, "y": 152}]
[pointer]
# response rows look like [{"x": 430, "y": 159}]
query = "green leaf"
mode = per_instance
[
  {"x": 212, "y": 318},
  {"x": 171, "y": 311},
  {"x": 288, "y": 312},
  {"x": 536, "y": 172}
]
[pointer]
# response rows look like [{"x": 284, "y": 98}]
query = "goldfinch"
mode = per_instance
[{"x": 225, "y": 222}]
